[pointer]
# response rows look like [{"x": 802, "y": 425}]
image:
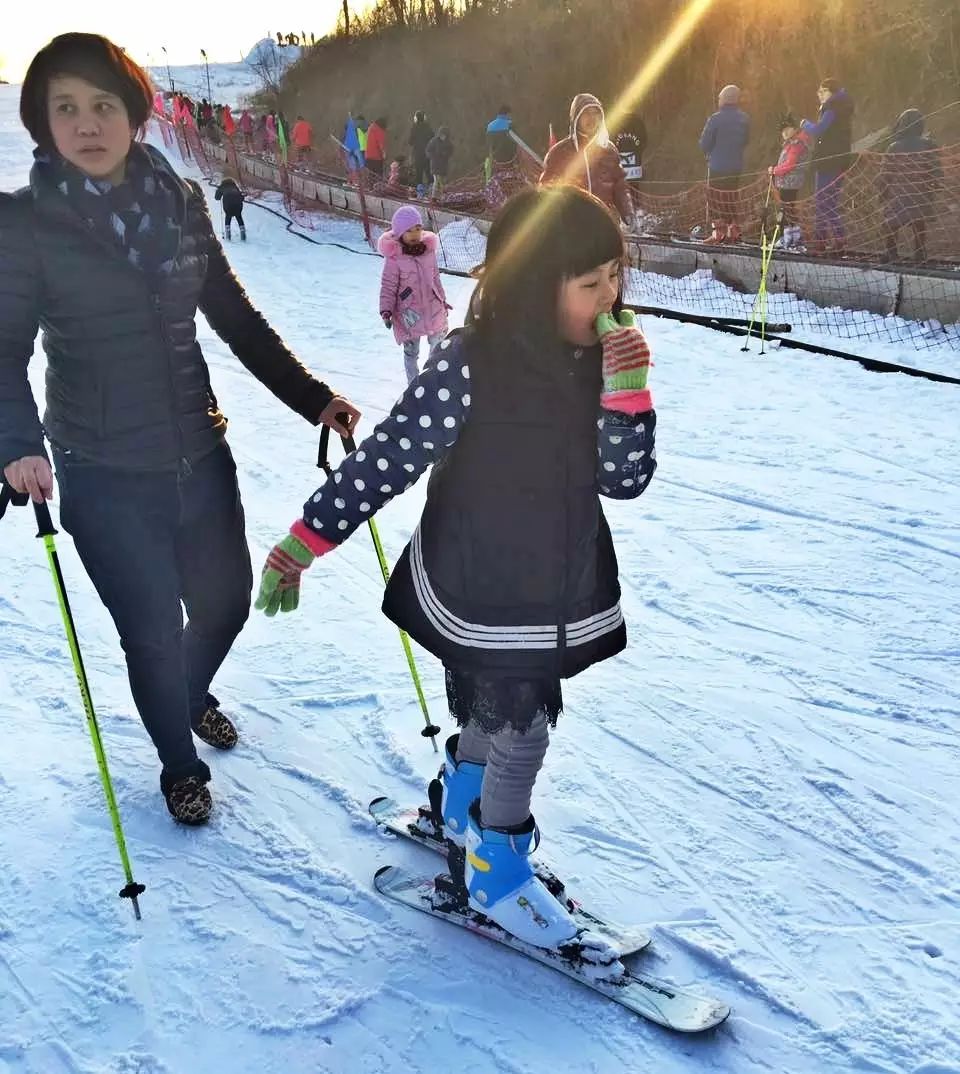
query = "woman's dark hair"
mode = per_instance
[
  {"x": 541, "y": 237},
  {"x": 94, "y": 59},
  {"x": 831, "y": 84}
]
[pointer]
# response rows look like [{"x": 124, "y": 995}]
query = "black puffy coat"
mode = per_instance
[
  {"x": 126, "y": 382},
  {"x": 231, "y": 195},
  {"x": 420, "y": 135},
  {"x": 439, "y": 151},
  {"x": 911, "y": 173}
]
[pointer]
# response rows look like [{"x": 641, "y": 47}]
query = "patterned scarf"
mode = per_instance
[{"x": 141, "y": 215}]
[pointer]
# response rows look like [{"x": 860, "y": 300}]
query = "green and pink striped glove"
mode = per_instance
[
  {"x": 288, "y": 559},
  {"x": 626, "y": 359}
]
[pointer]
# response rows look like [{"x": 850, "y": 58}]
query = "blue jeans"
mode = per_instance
[
  {"x": 828, "y": 189},
  {"x": 154, "y": 544}
]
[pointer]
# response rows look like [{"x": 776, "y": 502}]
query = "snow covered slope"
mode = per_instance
[
  {"x": 230, "y": 83},
  {"x": 769, "y": 776}
]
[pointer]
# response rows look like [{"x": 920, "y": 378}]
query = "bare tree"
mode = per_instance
[{"x": 268, "y": 65}]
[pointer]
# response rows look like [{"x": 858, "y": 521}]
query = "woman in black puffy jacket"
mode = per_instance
[{"x": 111, "y": 253}]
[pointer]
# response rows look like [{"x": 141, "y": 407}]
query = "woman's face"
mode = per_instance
[
  {"x": 583, "y": 298},
  {"x": 90, "y": 127},
  {"x": 823, "y": 94}
]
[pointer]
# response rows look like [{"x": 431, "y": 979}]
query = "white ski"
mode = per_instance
[{"x": 656, "y": 1000}]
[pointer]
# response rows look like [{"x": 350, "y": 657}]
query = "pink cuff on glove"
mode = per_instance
[
  {"x": 318, "y": 545},
  {"x": 628, "y": 402}
]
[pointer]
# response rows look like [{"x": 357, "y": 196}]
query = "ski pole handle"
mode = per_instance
[
  {"x": 323, "y": 450},
  {"x": 45, "y": 526},
  {"x": 9, "y": 495}
]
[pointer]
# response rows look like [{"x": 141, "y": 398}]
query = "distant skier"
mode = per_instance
[
  {"x": 723, "y": 142},
  {"x": 588, "y": 159},
  {"x": 501, "y": 148},
  {"x": 421, "y": 134},
  {"x": 439, "y": 152},
  {"x": 270, "y": 133},
  {"x": 412, "y": 299},
  {"x": 833, "y": 156},
  {"x": 789, "y": 174},
  {"x": 376, "y": 149},
  {"x": 528, "y": 415},
  {"x": 302, "y": 135},
  {"x": 231, "y": 198},
  {"x": 910, "y": 177},
  {"x": 246, "y": 129}
]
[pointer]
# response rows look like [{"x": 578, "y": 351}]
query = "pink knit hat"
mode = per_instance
[{"x": 406, "y": 217}]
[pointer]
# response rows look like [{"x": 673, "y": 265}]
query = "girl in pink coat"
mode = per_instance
[{"x": 412, "y": 299}]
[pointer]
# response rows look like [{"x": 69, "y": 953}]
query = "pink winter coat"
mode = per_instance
[{"x": 411, "y": 290}]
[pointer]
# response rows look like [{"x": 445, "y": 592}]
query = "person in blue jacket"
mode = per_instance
[
  {"x": 528, "y": 415},
  {"x": 832, "y": 158},
  {"x": 723, "y": 141},
  {"x": 501, "y": 148}
]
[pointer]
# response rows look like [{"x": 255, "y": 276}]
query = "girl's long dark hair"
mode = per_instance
[{"x": 541, "y": 237}]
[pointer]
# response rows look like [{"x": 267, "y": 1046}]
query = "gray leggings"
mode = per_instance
[
  {"x": 411, "y": 354},
  {"x": 513, "y": 760}
]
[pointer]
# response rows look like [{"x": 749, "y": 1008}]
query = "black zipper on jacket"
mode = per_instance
[{"x": 184, "y": 469}]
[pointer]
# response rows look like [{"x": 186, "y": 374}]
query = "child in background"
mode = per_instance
[
  {"x": 412, "y": 299},
  {"x": 398, "y": 177},
  {"x": 789, "y": 175},
  {"x": 528, "y": 415}
]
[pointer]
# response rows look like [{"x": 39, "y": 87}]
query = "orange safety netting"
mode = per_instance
[{"x": 887, "y": 210}]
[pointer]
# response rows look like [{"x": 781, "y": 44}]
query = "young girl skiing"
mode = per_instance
[
  {"x": 412, "y": 299},
  {"x": 231, "y": 197},
  {"x": 511, "y": 577}
]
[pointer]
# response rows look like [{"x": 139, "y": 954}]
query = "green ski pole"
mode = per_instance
[
  {"x": 766, "y": 256},
  {"x": 132, "y": 890},
  {"x": 430, "y": 730}
]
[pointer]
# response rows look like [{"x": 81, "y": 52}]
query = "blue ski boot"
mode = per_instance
[
  {"x": 451, "y": 795},
  {"x": 502, "y": 885}
]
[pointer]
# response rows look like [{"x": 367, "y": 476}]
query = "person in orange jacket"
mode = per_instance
[{"x": 302, "y": 136}]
